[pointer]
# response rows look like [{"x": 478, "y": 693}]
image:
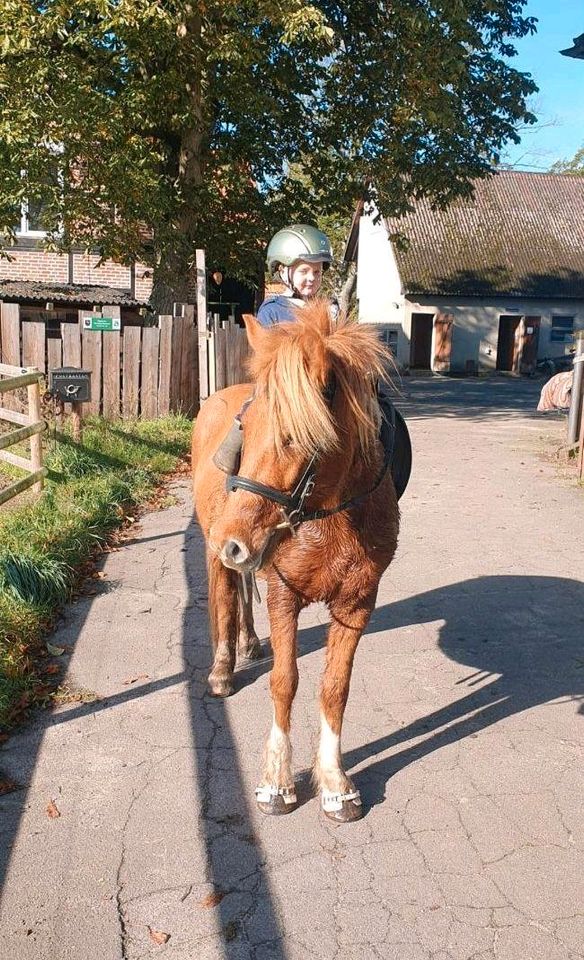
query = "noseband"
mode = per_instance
[{"x": 291, "y": 503}]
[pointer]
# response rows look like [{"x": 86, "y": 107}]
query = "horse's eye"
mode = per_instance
[{"x": 288, "y": 442}]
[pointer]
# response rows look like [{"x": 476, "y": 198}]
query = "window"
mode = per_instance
[
  {"x": 389, "y": 337},
  {"x": 562, "y": 329},
  {"x": 32, "y": 221}
]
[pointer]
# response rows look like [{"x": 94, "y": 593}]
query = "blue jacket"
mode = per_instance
[{"x": 278, "y": 309}]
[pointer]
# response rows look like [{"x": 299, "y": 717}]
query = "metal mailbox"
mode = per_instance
[{"x": 71, "y": 384}]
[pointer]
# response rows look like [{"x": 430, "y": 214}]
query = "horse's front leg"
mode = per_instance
[
  {"x": 340, "y": 800},
  {"x": 276, "y": 793},
  {"x": 223, "y": 621}
]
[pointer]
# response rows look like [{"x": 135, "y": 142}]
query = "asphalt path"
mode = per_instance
[{"x": 134, "y": 832}]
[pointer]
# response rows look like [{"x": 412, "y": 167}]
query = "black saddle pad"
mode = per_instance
[{"x": 396, "y": 441}]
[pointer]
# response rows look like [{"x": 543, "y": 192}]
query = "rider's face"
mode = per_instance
[{"x": 306, "y": 278}]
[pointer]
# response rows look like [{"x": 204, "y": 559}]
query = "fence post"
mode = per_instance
[
  {"x": 202, "y": 331},
  {"x": 577, "y": 385},
  {"x": 581, "y": 450},
  {"x": 36, "y": 443}
]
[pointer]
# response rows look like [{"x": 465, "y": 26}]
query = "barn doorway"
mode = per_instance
[
  {"x": 506, "y": 353},
  {"x": 421, "y": 346}
]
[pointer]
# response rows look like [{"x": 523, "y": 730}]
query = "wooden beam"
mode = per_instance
[
  {"x": 9, "y": 492},
  {"x": 16, "y": 461},
  {"x": 15, "y": 382},
  {"x": 8, "y": 370},
  {"x": 9, "y": 439},
  {"x": 14, "y": 416}
]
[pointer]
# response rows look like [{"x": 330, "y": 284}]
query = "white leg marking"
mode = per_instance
[
  {"x": 329, "y": 769},
  {"x": 278, "y": 759}
]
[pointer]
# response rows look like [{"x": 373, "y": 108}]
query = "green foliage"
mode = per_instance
[
  {"x": 177, "y": 123},
  {"x": 573, "y": 167},
  {"x": 45, "y": 542},
  {"x": 34, "y": 580}
]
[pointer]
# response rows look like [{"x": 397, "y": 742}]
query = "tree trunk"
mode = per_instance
[
  {"x": 171, "y": 276},
  {"x": 347, "y": 290},
  {"x": 169, "y": 286}
]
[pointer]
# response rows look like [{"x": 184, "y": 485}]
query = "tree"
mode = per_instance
[
  {"x": 176, "y": 124},
  {"x": 573, "y": 167}
]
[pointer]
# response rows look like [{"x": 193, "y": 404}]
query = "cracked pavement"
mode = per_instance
[{"x": 464, "y": 733}]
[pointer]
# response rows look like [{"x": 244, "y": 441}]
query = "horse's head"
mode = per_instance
[{"x": 313, "y": 407}]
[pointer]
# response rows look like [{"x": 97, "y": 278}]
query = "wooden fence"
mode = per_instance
[
  {"x": 29, "y": 427},
  {"x": 136, "y": 372},
  {"x": 223, "y": 350}
]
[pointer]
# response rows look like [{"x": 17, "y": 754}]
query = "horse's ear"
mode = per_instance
[{"x": 253, "y": 330}]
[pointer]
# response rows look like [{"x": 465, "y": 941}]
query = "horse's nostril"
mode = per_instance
[{"x": 234, "y": 553}]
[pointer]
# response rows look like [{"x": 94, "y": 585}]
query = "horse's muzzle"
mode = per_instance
[{"x": 235, "y": 555}]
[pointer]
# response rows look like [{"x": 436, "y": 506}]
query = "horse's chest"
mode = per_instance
[{"x": 317, "y": 561}]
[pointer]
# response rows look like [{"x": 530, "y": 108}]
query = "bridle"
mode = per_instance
[{"x": 292, "y": 504}]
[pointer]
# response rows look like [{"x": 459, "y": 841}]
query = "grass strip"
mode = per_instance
[{"x": 45, "y": 543}]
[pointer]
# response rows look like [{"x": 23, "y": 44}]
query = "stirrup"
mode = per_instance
[
  {"x": 266, "y": 793},
  {"x": 333, "y": 802}
]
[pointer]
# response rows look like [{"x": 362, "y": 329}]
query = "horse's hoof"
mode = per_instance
[
  {"x": 221, "y": 688},
  {"x": 276, "y": 802},
  {"x": 342, "y": 808}
]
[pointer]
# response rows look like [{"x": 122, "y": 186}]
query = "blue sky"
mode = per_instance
[{"x": 560, "y": 101}]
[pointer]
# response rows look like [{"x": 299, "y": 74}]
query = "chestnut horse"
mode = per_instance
[{"x": 312, "y": 427}]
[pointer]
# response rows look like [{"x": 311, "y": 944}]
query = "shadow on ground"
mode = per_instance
[
  {"x": 524, "y": 632},
  {"x": 480, "y": 399}
]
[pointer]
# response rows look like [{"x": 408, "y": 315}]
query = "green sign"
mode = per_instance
[{"x": 102, "y": 323}]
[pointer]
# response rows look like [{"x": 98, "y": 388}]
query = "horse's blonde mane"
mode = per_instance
[{"x": 292, "y": 364}]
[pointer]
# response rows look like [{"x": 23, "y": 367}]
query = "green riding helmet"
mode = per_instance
[{"x": 299, "y": 241}]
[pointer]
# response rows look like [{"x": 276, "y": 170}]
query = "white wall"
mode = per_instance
[
  {"x": 476, "y": 320},
  {"x": 476, "y": 324},
  {"x": 379, "y": 290}
]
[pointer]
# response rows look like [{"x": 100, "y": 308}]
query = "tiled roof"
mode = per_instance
[
  {"x": 521, "y": 235},
  {"x": 20, "y": 291},
  {"x": 577, "y": 50}
]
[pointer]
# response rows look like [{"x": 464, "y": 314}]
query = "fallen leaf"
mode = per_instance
[
  {"x": 55, "y": 651},
  {"x": 52, "y": 810},
  {"x": 231, "y": 930},
  {"x": 52, "y": 668},
  {"x": 212, "y": 899},
  {"x": 141, "y": 676},
  {"x": 158, "y": 936},
  {"x": 7, "y": 785}
]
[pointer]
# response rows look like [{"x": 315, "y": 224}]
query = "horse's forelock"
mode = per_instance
[{"x": 292, "y": 365}]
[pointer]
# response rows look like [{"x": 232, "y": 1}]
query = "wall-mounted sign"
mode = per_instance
[
  {"x": 103, "y": 324},
  {"x": 70, "y": 384},
  {"x": 529, "y": 331}
]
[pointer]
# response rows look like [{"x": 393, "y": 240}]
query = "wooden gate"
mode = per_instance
[
  {"x": 29, "y": 425},
  {"x": 223, "y": 346}
]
